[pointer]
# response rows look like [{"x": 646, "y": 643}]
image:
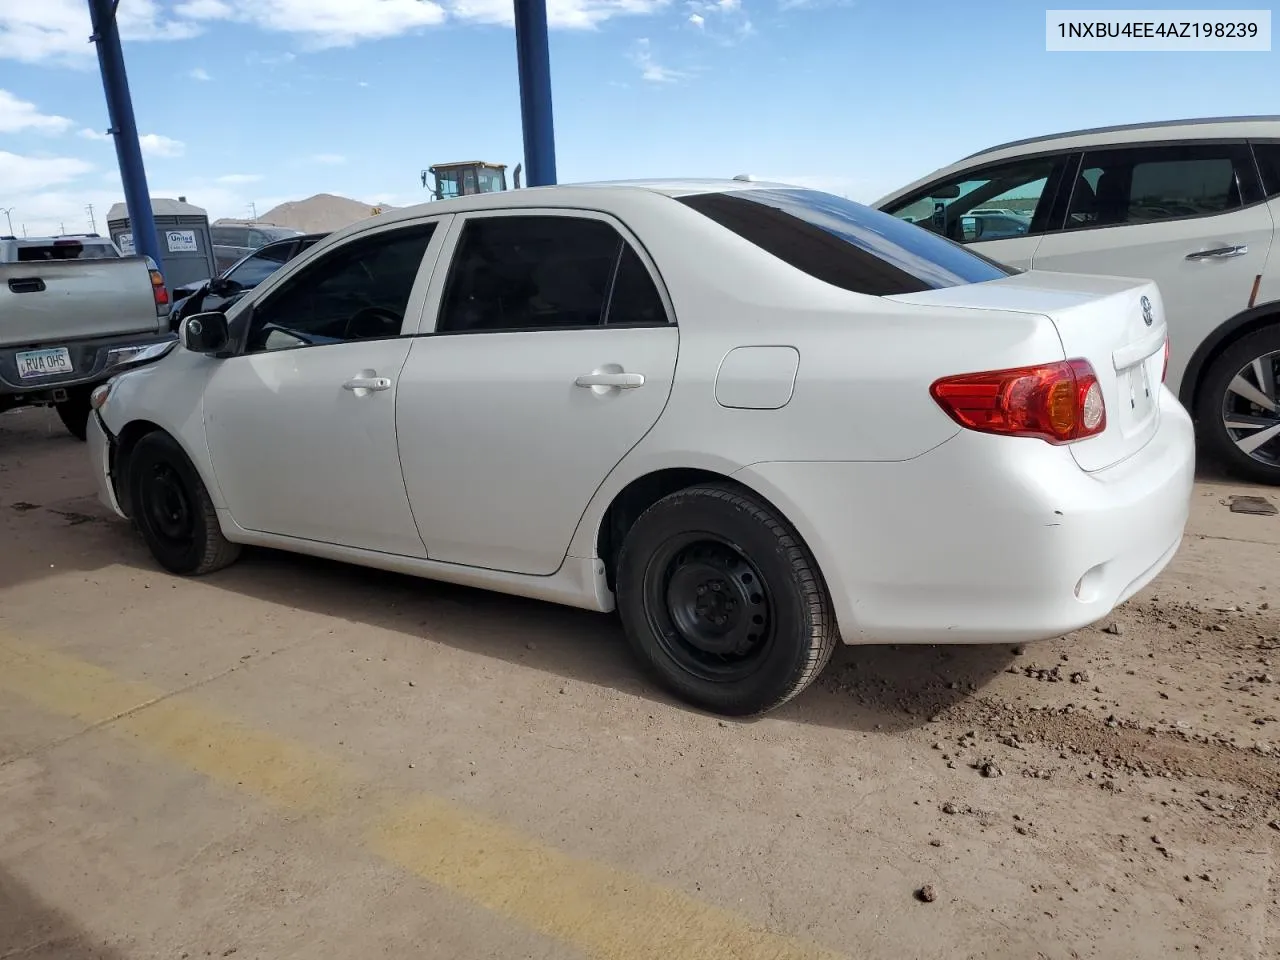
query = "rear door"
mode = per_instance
[
  {"x": 547, "y": 353},
  {"x": 1189, "y": 216},
  {"x": 1023, "y": 190}
]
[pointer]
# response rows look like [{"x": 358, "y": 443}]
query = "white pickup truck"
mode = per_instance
[{"x": 74, "y": 312}]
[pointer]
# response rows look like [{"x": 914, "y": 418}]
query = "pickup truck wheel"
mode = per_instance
[
  {"x": 173, "y": 510},
  {"x": 74, "y": 413},
  {"x": 722, "y": 602},
  {"x": 1239, "y": 407}
]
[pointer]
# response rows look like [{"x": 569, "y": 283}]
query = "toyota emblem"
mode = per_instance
[{"x": 1147, "y": 316}]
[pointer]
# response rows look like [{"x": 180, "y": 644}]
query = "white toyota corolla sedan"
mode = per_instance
[{"x": 755, "y": 419}]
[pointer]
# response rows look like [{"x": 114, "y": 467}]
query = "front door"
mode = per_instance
[
  {"x": 1183, "y": 215},
  {"x": 552, "y": 356},
  {"x": 301, "y": 424}
]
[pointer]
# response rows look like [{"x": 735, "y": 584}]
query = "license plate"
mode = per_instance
[{"x": 44, "y": 363}]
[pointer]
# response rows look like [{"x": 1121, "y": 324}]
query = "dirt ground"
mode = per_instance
[{"x": 296, "y": 759}]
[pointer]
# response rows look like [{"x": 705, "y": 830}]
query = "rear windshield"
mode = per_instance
[
  {"x": 66, "y": 251},
  {"x": 844, "y": 243}
]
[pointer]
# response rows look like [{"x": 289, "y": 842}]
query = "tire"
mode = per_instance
[
  {"x": 1215, "y": 401},
  {"x": 74, "y": 413},
  {"x": 689, "y": 594},
  {"x": 172, "y": 508}
]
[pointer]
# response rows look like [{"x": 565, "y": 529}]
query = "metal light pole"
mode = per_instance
[
  {"x": 8, "y": 215},
  {"x": 533, "y": 61},
  {"x": 124, "y": 130}
]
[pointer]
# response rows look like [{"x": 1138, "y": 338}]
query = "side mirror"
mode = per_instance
[{"x": 205, "y": 332}]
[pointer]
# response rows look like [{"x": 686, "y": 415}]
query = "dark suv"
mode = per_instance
[{"x": 232, "y": 241}]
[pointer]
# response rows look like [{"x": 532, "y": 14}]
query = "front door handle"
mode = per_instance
[
  {"x": 626, "y": 381},
  {"x": 1220, "y": 253},
  {"x": 371, "y": 384}
]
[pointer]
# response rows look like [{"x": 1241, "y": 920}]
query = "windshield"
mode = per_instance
[{"x": 846, "y": 244}]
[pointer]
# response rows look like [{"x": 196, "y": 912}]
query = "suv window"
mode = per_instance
[
  {"x": 531, "y": 272},
  {"x": 358, "y": 291},
  {"x": 1150, "y": 184},
  {"x": 228, "y": 236},
  {"x": 266, "y": 261},
  {"x": 1023, "y": 189},
  {"x": 1268, "y": 155},
  {"x": 844, "y": 243}
]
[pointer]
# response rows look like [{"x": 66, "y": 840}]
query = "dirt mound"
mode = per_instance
[{"x": 321, "y": 213}]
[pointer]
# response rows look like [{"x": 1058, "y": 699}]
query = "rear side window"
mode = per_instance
[
  {"x": 1150, "y": 184},
  {"x": 1268, "y": 155},
  {"x": 530, "y": 272},
  {"x": 845, "y": 244}
]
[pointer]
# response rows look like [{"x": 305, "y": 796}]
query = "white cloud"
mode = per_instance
[
  {"x": 329, "y": 159},
  {"x": 565, "y": 14},
  {"x": 152, "y": 144},
  {"x": 240, "y": 178},
  {"x": 35, "y": 32},
  {"x": 650, "y": 69},
  {"x": 722, "y": 21},
  {"x": 201, "y": 74},
  {"x": 156, "y": 145},
  {"x": 58, "y": 30},
  {"x": 18, "y": 115},
  {"x": 20, "y": 173}
]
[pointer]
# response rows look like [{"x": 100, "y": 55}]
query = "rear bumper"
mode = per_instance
[
  {"x": 101, "y": 448},
  {"x": 89, "y": 358},
  {"x": 988, "y": 539}
]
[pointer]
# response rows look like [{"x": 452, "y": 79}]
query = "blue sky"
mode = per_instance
[{"x": 259, "y": 101}]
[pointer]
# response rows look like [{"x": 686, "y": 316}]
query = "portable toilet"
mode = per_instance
[{"x": 183, "y": 233}]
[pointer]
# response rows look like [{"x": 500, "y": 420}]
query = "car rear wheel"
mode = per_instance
[
  {"x": 721, "y": 601},
  {"x": 1239, "y": 407},
  {"x": 173, "y": 510},
  {"x": 74, "y": 413}
]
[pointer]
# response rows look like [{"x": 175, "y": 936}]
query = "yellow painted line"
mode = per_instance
[{"x": 601, "y": 910}]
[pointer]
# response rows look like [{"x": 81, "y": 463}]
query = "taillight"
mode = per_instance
[
  {"x": 1164, "y": 371},
  {"x": 1056, "y": 402},
  {"x": 159, "y": 291}
]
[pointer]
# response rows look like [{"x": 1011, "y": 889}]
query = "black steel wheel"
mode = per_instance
[
  {"x": 172, "y": 508},
  {"x": 722, "y": 602}
]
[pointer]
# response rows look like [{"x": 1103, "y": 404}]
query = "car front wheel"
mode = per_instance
[
  {"x": 1239, "y": 407},
  {"x": 172, "y": 508},
  {"x": 722, "y": 602}
]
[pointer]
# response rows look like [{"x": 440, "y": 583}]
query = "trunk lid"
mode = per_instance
[{"x": 1117, "y": 324}]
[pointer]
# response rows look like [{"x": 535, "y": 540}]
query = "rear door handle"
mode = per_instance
[
  {"x": 26, "y": 285},
  {"x": 627, "y": 381},
  {"x": 368, "y": 383},
  {"x": 1220, "y": 253}
]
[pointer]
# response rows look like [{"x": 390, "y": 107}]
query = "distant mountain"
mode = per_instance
[{"x": 320, "y": 213}]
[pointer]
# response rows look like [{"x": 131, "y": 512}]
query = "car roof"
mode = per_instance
[
  {"x": 574, "y": 193},
  {"x": 1192, "y": 129},
  {"x": 1205, "y": 128}
]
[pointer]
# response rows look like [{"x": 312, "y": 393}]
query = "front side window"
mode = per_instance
[
  {"x": 359, "y": 291},
  {"x": 1020, "y": 192},
  {"x": 1268, "y": 155},
  {"x": 530, "y": 272},
  {"x": 844, "y": 243},
  {"x": 1150, "y": 184}
]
